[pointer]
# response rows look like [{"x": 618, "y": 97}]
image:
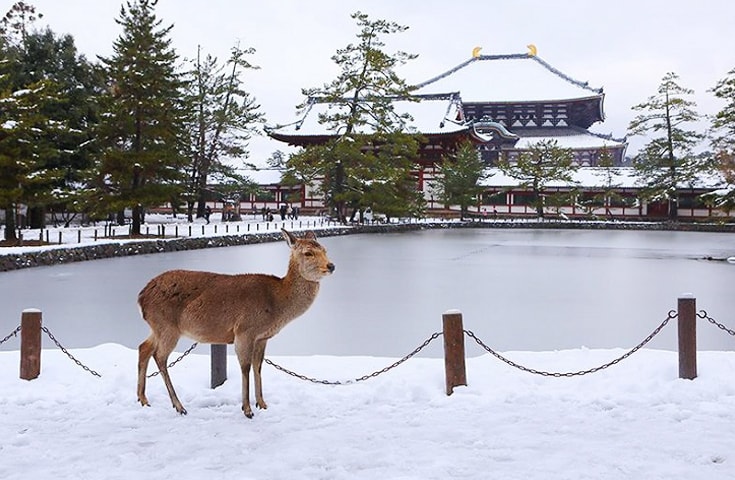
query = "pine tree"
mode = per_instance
[
  {"x": 357, "y": 167},
  {"x": 222, "y": 118},
  {"x": 722, "y": 139},
  {"x": 608, "y": 193},
  {"x": 143, "y": 129},
  {"x": 459, "y": 178},
  {"x": 667, "y": 160},
  {"x": 26, "y": 151},
  {"x": 543, "y": 163},
  {"x": 46, "y": 57},
  {"x": 46, "y": 90}
]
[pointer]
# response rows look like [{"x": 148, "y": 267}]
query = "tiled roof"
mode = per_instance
[
  {"x": 430, "y": 115},
  {"x": 507, "y": 78}
]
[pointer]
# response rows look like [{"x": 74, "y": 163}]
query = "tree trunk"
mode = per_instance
[
  {"x": 37, "y": 217},
  {"x": 120, "y": 217},
  {"x": 10, "y": 223},
  {"x": 137, "y": 218}
]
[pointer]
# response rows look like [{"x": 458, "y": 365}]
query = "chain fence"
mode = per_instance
[
  {"x": 433, "y": 337},
  {"x": 12, "y": 334},
  {"x": 672, "y": 314},
  {"x": 66, "y": 352},
  {"x": 178, "y": 359},
  {"x": 703, "y": 315}
]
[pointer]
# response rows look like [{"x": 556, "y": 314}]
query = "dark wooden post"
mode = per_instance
[
  {"x": 218, "y": 357},
  {"x": 30, "y": 344},
  {"x": 687, "y": 337},
  {"x": 454, "y": 365}
]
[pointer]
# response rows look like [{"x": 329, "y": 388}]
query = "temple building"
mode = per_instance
[{"x": 504, "y": 103}]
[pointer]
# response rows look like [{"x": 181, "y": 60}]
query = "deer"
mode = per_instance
[{"x": 242, "y": 309}]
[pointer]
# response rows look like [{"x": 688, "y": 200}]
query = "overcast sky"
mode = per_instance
[{"x": 623, "y": 46}]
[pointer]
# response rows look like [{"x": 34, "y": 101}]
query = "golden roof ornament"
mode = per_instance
[
  {"x": 476, "y": 52},
  {"x": 532, "y": 50}
]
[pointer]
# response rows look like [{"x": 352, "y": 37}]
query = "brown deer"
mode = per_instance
[{"x": 245, "y": 309}]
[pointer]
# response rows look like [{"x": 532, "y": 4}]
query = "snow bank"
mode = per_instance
[{"x": 633, "y": 420}]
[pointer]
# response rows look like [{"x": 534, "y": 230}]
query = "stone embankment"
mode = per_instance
[{"x": 125, "y": 248}]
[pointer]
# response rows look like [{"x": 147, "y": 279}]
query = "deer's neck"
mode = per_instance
[{"x": 299, "y": 293}]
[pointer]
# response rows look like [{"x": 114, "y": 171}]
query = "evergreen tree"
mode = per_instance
[
  {"x": 459, "y": 178},
  {"x": 371, "y": 157},
  {"x": 722, "y": 139},
  {"x": 667, "y": 160},
  {"x": 47, "y": 89},
  {"x": 26, "y": 150},
  {"x": 143, "y": 129},
  {"x": 223, "y": 117},
  {"x": 608, "y": 193},
  {"x": 543, "y": 163},
  {"x": 46, "y": 57}
]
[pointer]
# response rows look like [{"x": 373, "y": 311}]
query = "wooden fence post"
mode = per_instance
[
  {"x": 218, "y": 356},
  {"x": 687, "y": 310},
  {"x": 30, "y": 344},
  {"x": 454, "y": 365}
]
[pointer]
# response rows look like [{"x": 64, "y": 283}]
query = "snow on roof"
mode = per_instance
[
  {"x": 595, "y": 177},
  {"x": 574, "y": 139},
  {"x": 263, "y": 176},
  {"x": 430, "y": 115},
  {"x": 513, "y": 77}
]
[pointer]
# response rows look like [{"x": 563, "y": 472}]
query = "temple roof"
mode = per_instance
[
  {"x": 431, "y": 114},
  {"x": 522, "y": 77},
  {"x": 573, "y": 138}
]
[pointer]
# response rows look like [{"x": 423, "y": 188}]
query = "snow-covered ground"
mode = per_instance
[{"x": 635, "y": 420}]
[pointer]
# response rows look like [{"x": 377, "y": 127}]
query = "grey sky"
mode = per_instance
[{"x": 624, "y": 46}]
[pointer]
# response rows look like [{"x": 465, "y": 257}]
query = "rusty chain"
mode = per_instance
[
  {"x": 180, "y": 358},
  {"x": 672, "y": 314},
  {"x": 14, "y": 333},
  {"x": 703, "y": 314},
  {"x": 66, "y": 352},
  {"x": 433, "y": 337}
]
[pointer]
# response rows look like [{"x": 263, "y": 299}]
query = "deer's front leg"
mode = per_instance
[{"x": 244, "y": 349}]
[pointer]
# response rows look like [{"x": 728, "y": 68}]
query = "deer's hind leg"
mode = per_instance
[
  {"x": 145, "y": 350},
  {"x": 164, "y": 347}
]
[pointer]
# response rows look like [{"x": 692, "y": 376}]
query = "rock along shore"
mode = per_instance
[{"x": 86, "y": 252}]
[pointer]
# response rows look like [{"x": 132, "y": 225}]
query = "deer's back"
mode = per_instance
[{"x": 208, "y": 307}]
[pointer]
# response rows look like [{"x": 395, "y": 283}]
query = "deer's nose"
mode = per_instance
[{"x": 330, "y": 267}]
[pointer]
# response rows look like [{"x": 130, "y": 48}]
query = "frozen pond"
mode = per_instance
[{"x": 518, "y": 290}]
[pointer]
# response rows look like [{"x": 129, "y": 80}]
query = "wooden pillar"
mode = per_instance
[
  {"x": 454, "y": 364},
  {"x": 687, "y": 316},
  {"x": 30, "y": 344},
  {"x": 218, "y": 358}
]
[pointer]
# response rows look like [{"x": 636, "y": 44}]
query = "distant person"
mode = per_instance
[
  {"x": 283, "y": 210},
  {"x": 207, "y": 213}
]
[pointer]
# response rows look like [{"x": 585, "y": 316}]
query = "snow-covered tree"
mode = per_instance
[
  {"x": 364, "y": 169},
  {"x": 667, "y": 160},
  {"x": 543, "y": 163},
  {"x": 722, "y": 139},
  {"x": 459, "y": 178},
  {"x": 142, "y": 163},
  {"x": 222, "y": 118}
]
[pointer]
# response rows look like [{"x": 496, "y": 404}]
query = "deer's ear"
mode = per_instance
[
  {"x": 310, "y": 235},
  {"x": 290, "y": 239}
]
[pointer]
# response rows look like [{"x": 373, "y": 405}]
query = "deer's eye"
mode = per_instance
[{"x": 308, "y": 254}]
